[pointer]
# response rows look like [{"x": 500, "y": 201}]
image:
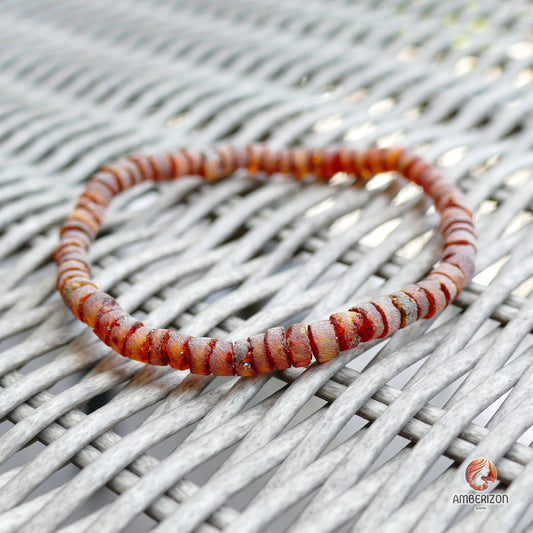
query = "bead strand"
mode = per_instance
[{"x": 277, "y": 348}]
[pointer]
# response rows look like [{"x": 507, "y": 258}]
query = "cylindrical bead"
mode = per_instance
[
  {"x": 407, "y": 307},
  {"x": 390, "y": 314},
  {"x": 243, "y": 358},
  {"x": 420, "y": 297},
  {"x": 95, "y": 306},
  {"x": 261, "y": 360},
  {"x": 145, "y": 166},
  {"x": 323, "y": 340},
  {"x": 372, "y": 326},
  {"x": 157, "y": 350},
  {"x": 200, "y": 349},
  {"x": 98, "y": 192},
  {"x": 107, "y": 322},
  {"x": 276, "y": 346},
  {"x": 137, "y": 345},
  {"x": 347, "y": 325},
  {"x": 436, "y": 298},
  {"x": 452, "y": 215},
  {"x": 221, "y": 359},
  {"x": 64, "y": 278},
  {"x": 178, "y": 350},
  {"x": 459, "y": 236},
  {"x": 77, "y": 297},
  {"x": 298, "y": 344},
  {"x": 120, "y": 332},
  {"x": 464, "y": 263},
  {"x": 107, "y": 179},
  {"x": 453, "y": 272},
  {"x": 179, "y": 164},
  {"x": 162, "y": 167},
  {"x": 447, "y": 286}
]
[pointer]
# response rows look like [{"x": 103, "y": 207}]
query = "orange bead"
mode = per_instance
[
  {"x": 243, "y": 358},
  {"x": 298, "y": 344},
  {"x": 121, "y": 331},
  {"x": 221, "y": 359},
  {"x": 323, "y": 340},
  {"x": 420, "y": 297},
  {"x": 436, "y": 298},
  {"x": 137, "y": 345},
  {"x": 347, "y": 325},
  {"x": 178, "y": 350},
  {"x": 77, "y": 297},
  {"x": 390, "y": 314},
  {"x": 107, "y": 322},
  {"x": 157, "y": 350},
  {"x": 260, "y": 358},
  {"x": 200, "y": 349},
  {"x": 372, "y": 326},
  {"x": 277, "y": 348},
  {"x": 95, "y": 306}
]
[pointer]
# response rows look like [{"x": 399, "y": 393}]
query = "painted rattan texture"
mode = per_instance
[{"x": 371, "y": 441}]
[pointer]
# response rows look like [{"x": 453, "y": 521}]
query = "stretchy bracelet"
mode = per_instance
[{"x": 277, "y": 348}]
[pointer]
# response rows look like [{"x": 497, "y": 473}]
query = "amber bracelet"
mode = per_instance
[{"x": 277, "y": 348}]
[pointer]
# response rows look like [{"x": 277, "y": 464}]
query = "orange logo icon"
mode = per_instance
[{"x": 479, "y": 473}]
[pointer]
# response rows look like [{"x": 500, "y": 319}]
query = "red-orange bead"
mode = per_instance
[
  {"x": 106, "y": 323},
  {"x": 420, "y": 297},
  {"x": 347, "y": 160},
  {"x": 178, "y": 350},
  {"x": 389, "y": 313},
  {"x": 391, "y": 158},
  {"x": 95, "y": 306},
  {"x": 347, "y": 326},
  {"x": 276, "y": 346},
  {"x": 243, "y": 358},
  {"x": 374, "y": 160},
  {"x": 447, "y": 286},
  {"x": 372, "y": 326},
  {"x": 323, "y": 340},
  {"x": 260, "y": 358},
  {"x": 436, "y": 298},
  {"x": 221, "y": 359},
  {"x": 298, "y": 344},
  {"x": 200, "y": 349},
  {"x": 157, "y": 349},
  {"x": 77, "y": 297},
  {"x": 120, "y": 332},
  {"x": 331, "y": 163},
  {"x": 137, "y": 345},
  {"x": 179, "y": 164}
]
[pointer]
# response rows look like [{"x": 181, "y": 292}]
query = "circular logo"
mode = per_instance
[{"x": 479, "y": 473}]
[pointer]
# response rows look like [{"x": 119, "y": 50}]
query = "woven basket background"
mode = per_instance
[{"x": 376, "y": 440}]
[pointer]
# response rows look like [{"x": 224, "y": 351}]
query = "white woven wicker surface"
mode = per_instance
[{"x": 376, "y": 440}]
